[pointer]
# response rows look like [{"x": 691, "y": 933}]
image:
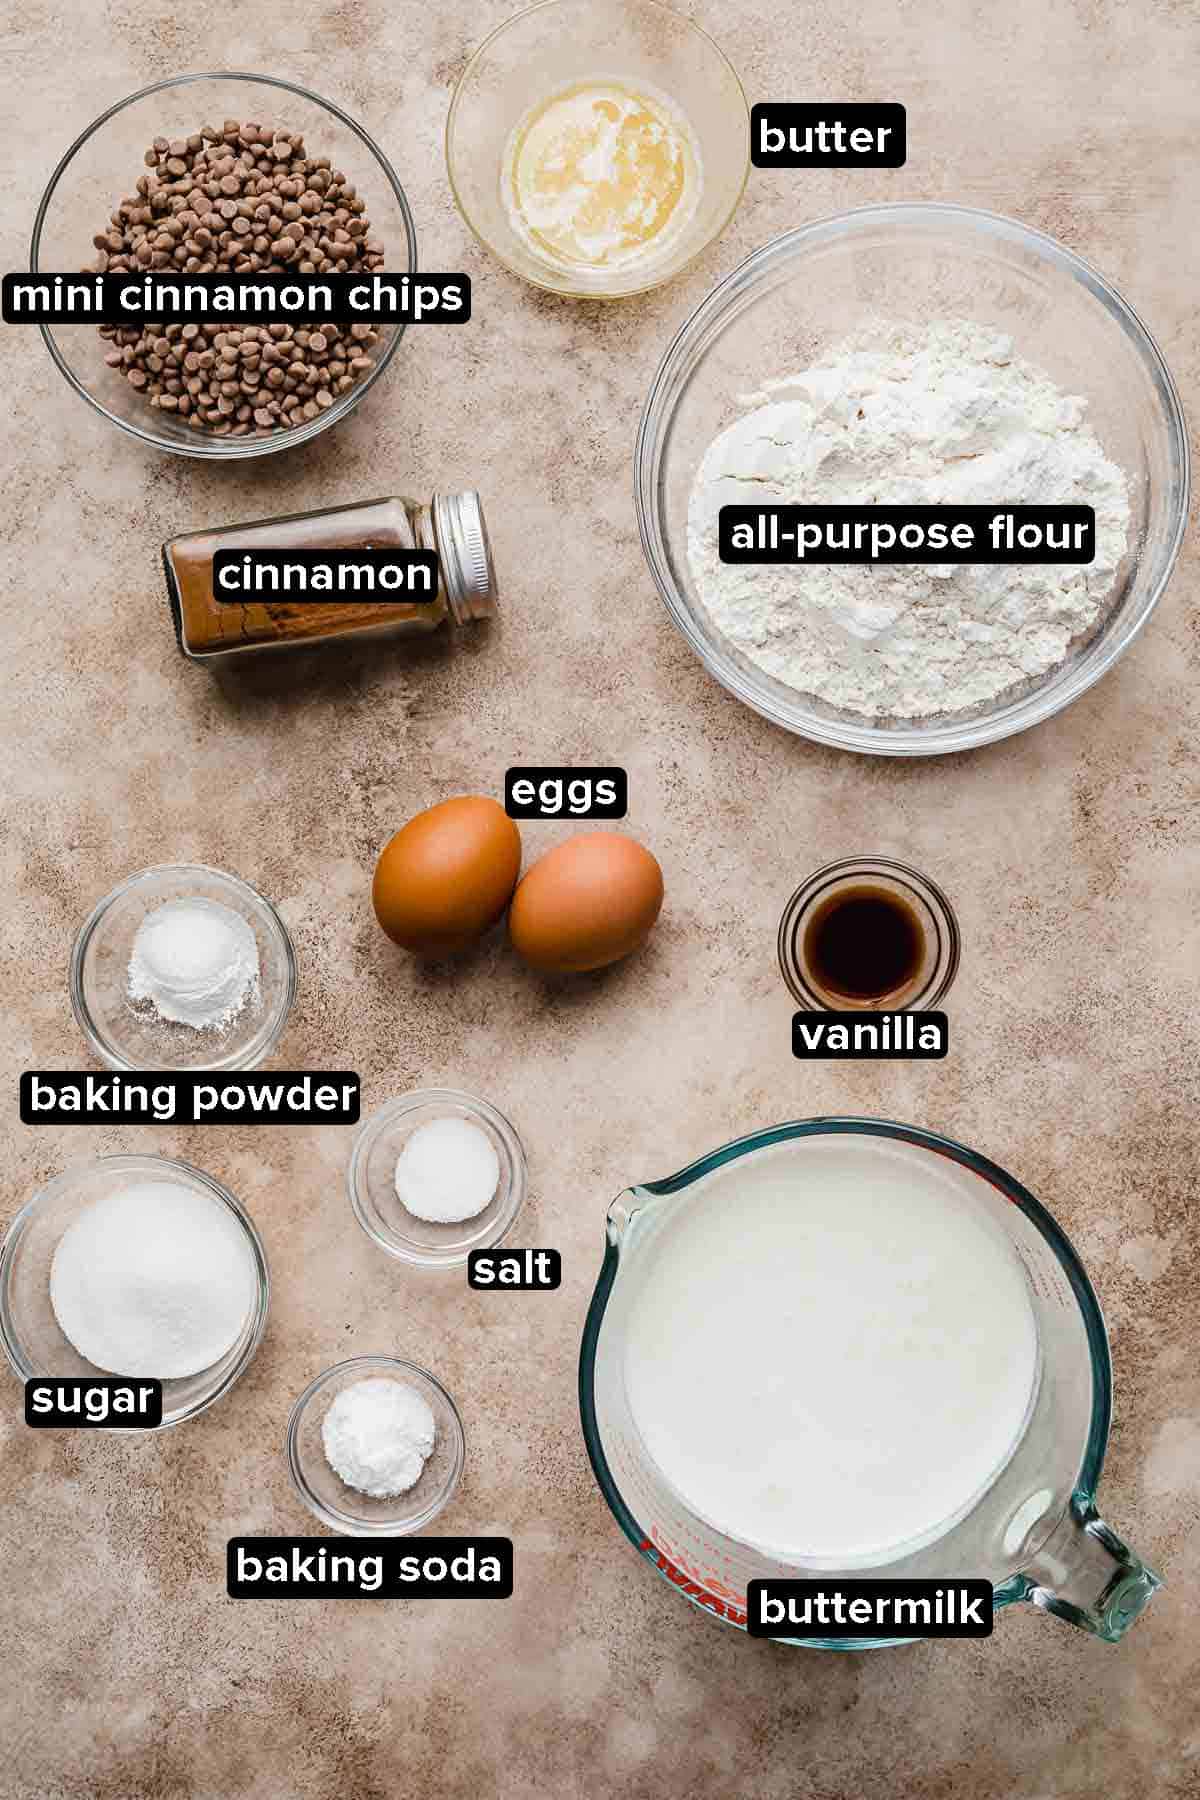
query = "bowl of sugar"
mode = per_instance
[
  {"x": 183, "y": 967},
  {"x": 135, "y": 1266}
]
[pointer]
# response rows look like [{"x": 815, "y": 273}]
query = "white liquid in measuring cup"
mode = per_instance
[{"x": 833, "y": 1352}]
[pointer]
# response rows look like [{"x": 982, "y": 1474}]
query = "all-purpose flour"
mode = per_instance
[{"x": 934, "y": 414}]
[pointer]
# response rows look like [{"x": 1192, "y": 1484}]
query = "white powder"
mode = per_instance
[
  {"x": 934, "y": 414},
  {"x": 378, "y": 1435},
  {"x": 154, "y": 1280},
  {"x": 447, "y": 1171},
  {"x": 195, "y": 962}
]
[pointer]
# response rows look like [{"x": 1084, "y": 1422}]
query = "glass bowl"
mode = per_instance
[
  {"x": 939, "y": 930},
  {"x": 555, "y": 45},
  {"x": 126, "y": 1037},
  {"x": 805, "y": 291},
  {"x": 344, "y": 1508},
  {"x": 102, "y": 166},
  {"x": 372, "y": 1185},
  {"x": 29, "y": 1331}
]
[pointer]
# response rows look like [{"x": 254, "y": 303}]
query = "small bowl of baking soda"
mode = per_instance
[
  {"x": 375, "y": 1445},
  {"x": 183, "y": 967}
]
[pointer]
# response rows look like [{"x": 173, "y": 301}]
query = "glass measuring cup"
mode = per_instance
[{"x": 1034, "y": 1531}]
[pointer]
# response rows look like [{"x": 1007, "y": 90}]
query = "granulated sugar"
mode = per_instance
[{"x": 152, "y": 1281}]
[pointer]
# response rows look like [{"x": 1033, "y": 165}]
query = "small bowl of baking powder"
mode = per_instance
[
  {"x": 375, "y": 1446},
  {"x": 183, "y": 967}
]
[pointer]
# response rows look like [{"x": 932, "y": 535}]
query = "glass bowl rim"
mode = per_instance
[
  {"x": 929, "y": 890},
  {"x": 654, "y": 427},
  {"x": 62, "y": 1182},
  {"x": 230, "y": 449},
  {"x": 333, "y": 1516},
  {"x": 548, "y": 287},
  {"x": 101, "y": 1045},
  {"x": 370, "y": 1129}
]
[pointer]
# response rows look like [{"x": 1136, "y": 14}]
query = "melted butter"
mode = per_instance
[{"x": 599, "y": 176}]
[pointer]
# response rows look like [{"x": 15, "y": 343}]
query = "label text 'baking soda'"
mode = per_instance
[
  {"x": 408, "y": 1568},
  {"x": 285, "y": 1097}
]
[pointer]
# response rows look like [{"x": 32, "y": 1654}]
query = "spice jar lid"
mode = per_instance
[{"x": 466, "y": 555}]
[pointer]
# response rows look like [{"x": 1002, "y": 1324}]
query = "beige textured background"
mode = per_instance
[{"x": 1071, "y": 853}]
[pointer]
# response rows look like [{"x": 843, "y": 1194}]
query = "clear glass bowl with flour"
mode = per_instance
[
  {"x": 1007, "y": 332},
  {"x": 135, "y": 1260},
  {"x": 183, "y": 967}
]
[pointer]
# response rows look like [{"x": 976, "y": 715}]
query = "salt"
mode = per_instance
[{"x": 447, "y": 1171}]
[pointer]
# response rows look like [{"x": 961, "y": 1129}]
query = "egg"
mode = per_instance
[
  {"x": 586, "y": 903},
  {"x": 447, "y": 875}
]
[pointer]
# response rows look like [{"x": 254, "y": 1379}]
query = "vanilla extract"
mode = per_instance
[{"x": 864, "y": 943}]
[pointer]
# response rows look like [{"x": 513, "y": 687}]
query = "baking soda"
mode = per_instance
[{"x": 378, "y": 1435}]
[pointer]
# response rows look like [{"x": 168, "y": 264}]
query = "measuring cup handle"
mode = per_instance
[{"x": 1085, "y": 1574}]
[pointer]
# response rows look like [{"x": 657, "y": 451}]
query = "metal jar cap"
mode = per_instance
[{"x": 465, "y": 554}]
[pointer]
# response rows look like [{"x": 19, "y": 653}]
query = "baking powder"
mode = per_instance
[{"x": 195, "y": 962}]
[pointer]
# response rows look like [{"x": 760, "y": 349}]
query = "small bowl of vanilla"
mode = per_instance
[{"x": 597, "y": 150}]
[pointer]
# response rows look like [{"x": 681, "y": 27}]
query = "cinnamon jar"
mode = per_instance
[{"x": 452, "y": 525}]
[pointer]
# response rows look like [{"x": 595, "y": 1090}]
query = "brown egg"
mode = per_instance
[
  {"x": 586, "y": 903},
  {"x": 447, "y": 875}
]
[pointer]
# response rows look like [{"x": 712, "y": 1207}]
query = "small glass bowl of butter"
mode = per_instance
[{"x": 596, "y": 150}]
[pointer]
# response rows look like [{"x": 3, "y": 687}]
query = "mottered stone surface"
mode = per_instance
[{"x": 1072, "y": 855}]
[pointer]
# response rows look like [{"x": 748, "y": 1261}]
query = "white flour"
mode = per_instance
[{"x": 940, "y": 414}]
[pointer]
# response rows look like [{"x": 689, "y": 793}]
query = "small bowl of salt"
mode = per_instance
[
  {"x": 183, "y": 967},
  {"x": 375, "y": 1445},
  {"x": 435, "y": 1175}
]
